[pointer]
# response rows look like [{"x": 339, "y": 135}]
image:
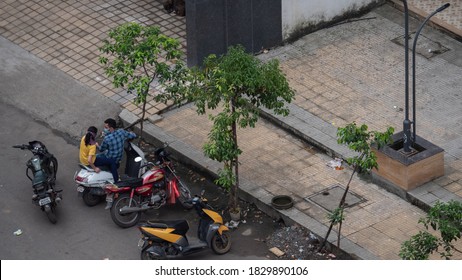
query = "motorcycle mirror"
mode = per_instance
[{"x": 138, "y": 159}]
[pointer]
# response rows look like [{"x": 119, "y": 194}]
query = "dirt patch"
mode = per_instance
[
  {"x": 290, "y": 242},
  {"x": 299, "y": 243}
]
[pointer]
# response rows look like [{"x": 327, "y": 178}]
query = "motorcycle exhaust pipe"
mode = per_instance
[{"x": 129, "y": 210}]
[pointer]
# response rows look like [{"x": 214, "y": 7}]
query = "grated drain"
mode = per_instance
[
  {"x": 330, "y": 198},
  {"x": 425, "y": 46}
]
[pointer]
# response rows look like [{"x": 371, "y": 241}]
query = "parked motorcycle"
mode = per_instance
[
  {"x": 167, "y": 239},
  {"x": 41, "y": 170},
  {"x": 91, "y": 185},
  {"x": 157, "y": 187}
]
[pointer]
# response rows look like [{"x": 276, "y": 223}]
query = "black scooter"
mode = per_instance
[{"x": 41, "y": 170}]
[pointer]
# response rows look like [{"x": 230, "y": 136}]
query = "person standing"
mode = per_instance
[{"x": 112, "y": 146}]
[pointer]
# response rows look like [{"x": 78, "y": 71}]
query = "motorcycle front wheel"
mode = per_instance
[
  {"x": 90, "y": 199},
  {"x": 221, "y": 244},
  {"x": 125, "y": 220},
  {"x": 185, "y": 196},
  {"x": 49, "y": 210}
]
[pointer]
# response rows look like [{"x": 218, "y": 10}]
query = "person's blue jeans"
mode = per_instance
[{"x": 102, "y": 160}]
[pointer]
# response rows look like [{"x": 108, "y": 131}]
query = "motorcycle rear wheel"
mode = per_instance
[
  {"x": 221, "y": 244},
  {"x": 146, "y": 256},
  {"x": 90, "y": 199},
  {"x": 125, "y": 220},
  {"x": 49, "y": 210}
]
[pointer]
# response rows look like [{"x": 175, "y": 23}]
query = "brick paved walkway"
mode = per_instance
[{"x": 67, "y": 34}]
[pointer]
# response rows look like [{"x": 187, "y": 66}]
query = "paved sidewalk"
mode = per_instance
[
  {"x": 67, "y": 34},
  {"x": 449, "y": 20},
  {"x": 349, "y": 72}
]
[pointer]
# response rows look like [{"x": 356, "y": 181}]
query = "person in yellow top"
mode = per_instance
[{"x": 88, "y": 147}]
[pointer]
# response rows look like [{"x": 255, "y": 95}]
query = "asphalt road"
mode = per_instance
[{"x": 86, "y": 233}]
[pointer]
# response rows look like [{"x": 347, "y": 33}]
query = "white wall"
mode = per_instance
[{"x": 300, "y": 14}]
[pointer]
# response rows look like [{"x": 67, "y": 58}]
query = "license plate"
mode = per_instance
[
  {"x": 141, "y": 243},
  {"x": 80, "y": 189},
  {"x": 110, "y": 197},
  {"x": 45, "y": 201}
]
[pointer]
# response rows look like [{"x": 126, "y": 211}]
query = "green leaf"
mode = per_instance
[
  {"x": 336, "y": 216},
  {"x": 360, "y": 140},
  {"x": 134, "y": 55},
  {"x": 443, "y": 217},
  {"x": 419, "y": 247}
]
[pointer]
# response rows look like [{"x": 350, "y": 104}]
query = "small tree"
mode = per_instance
[
  {"x": 443, "y": 217},
  {"x": 135, "y": 55},
  {"x": 238, "y": 84},
  {"x": 360, "y": 140}
]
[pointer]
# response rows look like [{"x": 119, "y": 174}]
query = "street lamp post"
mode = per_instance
[
  {"x": 406, "y": 122},
  {"x": 413, "y": 64}
]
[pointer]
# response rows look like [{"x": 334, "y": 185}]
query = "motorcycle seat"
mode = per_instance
[
  {"x": 155, "y": 225},
  {"x": 180, "y": 226},
  {"x": 130, "y": 182},
  {"x": 88, "y": 168}
]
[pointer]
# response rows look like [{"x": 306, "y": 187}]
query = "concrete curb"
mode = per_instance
[{"x": 311, "y": 129}]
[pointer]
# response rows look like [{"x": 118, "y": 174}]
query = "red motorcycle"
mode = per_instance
[{"x": 157, "y": 187}]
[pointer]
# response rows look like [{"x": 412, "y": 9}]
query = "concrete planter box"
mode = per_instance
[{"x": 408, "y": 171}]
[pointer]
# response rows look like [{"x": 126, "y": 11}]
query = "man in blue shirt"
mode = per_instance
[{"x": 113, "y": 146}]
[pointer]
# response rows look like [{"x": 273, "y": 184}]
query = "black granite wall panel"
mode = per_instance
[{"x": 214, "y": 25}]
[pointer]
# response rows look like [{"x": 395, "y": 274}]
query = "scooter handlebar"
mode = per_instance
[
  {"x": 200, "y": 199},
  {"x": 22, "y": 147}
]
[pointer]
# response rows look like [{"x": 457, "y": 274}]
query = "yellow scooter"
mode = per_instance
[{"x": 167, "y": 239}]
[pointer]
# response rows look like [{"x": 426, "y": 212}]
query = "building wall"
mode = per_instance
[
  {"x": 214, "y": 25},
  {"x": 299, "y": 17}
]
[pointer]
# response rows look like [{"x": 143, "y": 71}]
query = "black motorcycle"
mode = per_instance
[{"x": 41, "y": 170}]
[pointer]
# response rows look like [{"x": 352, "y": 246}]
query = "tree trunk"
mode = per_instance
[
  {"x": 341, "y": 205},
  {"x": 143, "y": 113},
  {"x": 338, "y": 234},
  {"x": 235, "y": 162}
]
